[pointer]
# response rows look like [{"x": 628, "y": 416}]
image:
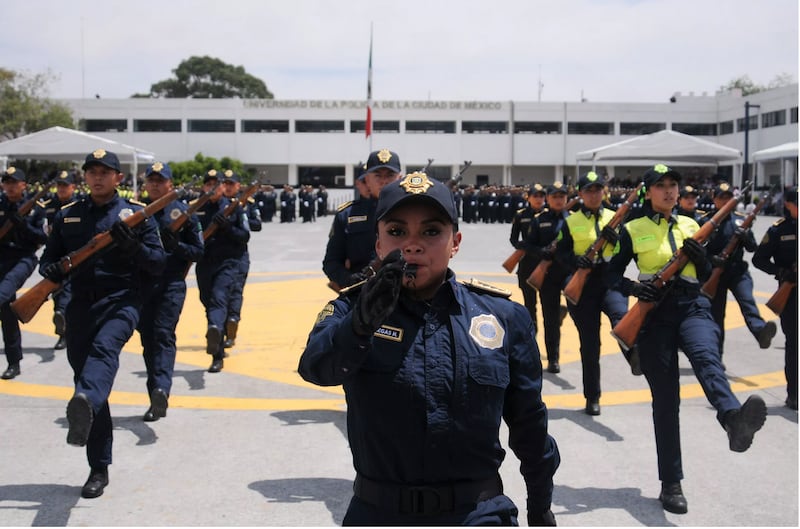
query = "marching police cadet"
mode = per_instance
[
  {"x": 735, "y": 275},
  {"x": 351, "y": 241},
  {"x": 165, "y": 294},
  {"x": 777, "y": 255},
  {"x": 520, "y": 226},
  {"x": 288, "y": 199},
  {"x": 430, "y": 367},
  {"x": 17, "y": 259},
  {"x": 687, "y": 203},
  {"x": 579, "y": 232},
  {"x": 105, "y": 305},
  {"x": 64, "y": 194},
  {"x": 321, "y": 198},
  {"x": 682, "y": 319},
  {"x": 268, "y": 210},
  {"x": 220, "y": 267},
  {"x": 544, "y": 228},
  {"x": 471, "y": 211}
]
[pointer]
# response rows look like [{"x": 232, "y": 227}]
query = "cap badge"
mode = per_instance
[
  {"x": 157, "y": 167},
  {"x": 660, "y": 168},
  {"x": 486, "y": 331},
  {"x": 174, "y": 214},
  {"x": 99, "y": 154},
  {"x": 228, "y": 173},
  {"x": 538, "y": 187},
  {"x": 62, "y": 174},
  {"x": 591, "y": 176},
  {"x": 11, "y": 170},
  {"x": 689, "y": 189},
  {"x": 558, "y": 185},
  {"x": 212, "y": 172},
  {"x": 384, "y": 155},
  {"x": 416, "y": 183},
  {"x": 724, "y": 187}
]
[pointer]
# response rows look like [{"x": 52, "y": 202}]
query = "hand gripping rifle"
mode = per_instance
[
  {"x": 536, "y": 279},
  {"x": 231, "y": 207},
  {"x": 712, "y": 283},
  {"x": 178, "y": 223},
  {"x": 576, "y": 283},
  {"x": 781, "y": 296},
  {"x": 627, "y": 329},
  {"x": 25, "y": 208},
  {"x": 28, "y": 304}
]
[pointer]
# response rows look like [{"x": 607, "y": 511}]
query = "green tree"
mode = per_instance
[
  {"x": 747, "y": 86},
  {"x": 184, "y": 171},
  {"x": 207, "y": 77},
  {"x": 25, "y": 107}
]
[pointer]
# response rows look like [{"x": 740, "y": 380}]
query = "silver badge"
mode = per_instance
[{"x": 486, "y": 331}]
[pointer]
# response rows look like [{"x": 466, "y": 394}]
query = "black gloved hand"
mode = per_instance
[
  {"x": 584, "y": 262},
  {"x": 378, "y": 297},
  {"x": 695, "y": 252},
  {"x": 717, "y": 261},
  {"x": 610, "y": 235},
  {"x": 169, "y": 239},
  {"x": 546, "y": 254},
  {"x": 125, "y": 238},
  {"x": 747, "y": 238},
  {"x": 542, "y": 519},
  {"x": 53, "y": 273},
  {"x": 647, "y": 291},
  {"x": 222, "y": 221},
  {"x": 355, "y": 278}
]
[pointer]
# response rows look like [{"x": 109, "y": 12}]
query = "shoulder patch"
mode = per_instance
[
  {"x": 779, "y": 221},
  {"x": 344, "y": 206},
  {"x": 485, "y": 288},
  {"x": 65, "y": 206},
  {"x": 251, "y": 200},
  {"x": 137, "y": 203},
  {"x": 43, "y": 203},
  {"x": 191, "y": 202}
]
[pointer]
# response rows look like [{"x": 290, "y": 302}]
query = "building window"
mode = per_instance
[
  {"x": 793, "y": 115},
  {"x": 589, "y": 127},
  {"x": 773, "y": 119},
  {"x": 752, "y": 123},
  {"x": 104, "y": 125},
  {"x": 212, "y": 125},
  {"x": 318, "y": 126},
  {"x": 696, "y": 129},
  {"x": 484, "y": 127},
  {"x": 431, "y": 127},
  {"x": 637, "y": 129},
  {"x": 537, "y": 127},
  {"x": 265, "y": 125},
  {"x": 377, "y": 126},
  {"x": 156, "y": 125},
  {"x": 726, "y": 127}
]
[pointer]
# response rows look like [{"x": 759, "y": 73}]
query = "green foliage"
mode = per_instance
[
  {"x": 24, "y": 106},
  {"x": 207, "y": 77},
  {"x": 184, "y": 171},
  {"x": 748, "y": 87}
]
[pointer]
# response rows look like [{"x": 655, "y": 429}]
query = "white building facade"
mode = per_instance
[{"x": 508, "y": 142}]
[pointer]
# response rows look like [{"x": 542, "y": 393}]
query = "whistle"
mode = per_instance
[{"x": 410, "y": 271}]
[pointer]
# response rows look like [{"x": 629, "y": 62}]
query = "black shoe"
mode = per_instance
[
  {"x": 766, "y": 334},
  {"x": 216, "y": 365},
  {"x": 12, "y": 372},
  {"x": 228, "y": 343},
  {"x": 213, "y": 340},
  {"x": 592, "y": 407},
  {"x": 231, "y": 329},
  {"x": 61, "y": 343},
  {"x": 672, "y": 498},
  {"x": 60, "y": 322},
  {"x": 791, "y": 403},
  {"x": 553, "y": 367},
  {"x": 742, "y": 424},
  {"x": 94, "y": 486},
  {"x": 79, "y": 416},
  {"x": 158, "y": 405}
]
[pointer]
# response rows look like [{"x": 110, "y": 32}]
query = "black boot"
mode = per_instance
[
  {"x": 158, "y": 405},
  {"x": 61, "y": 343},
  {"x": 213, "y": 340},
  {"x": 12, "y": 371},
  {"x": 94, "y": 486},
  {"x": 231, "y": 328},
  {"x": 672, "y": 498},
  {"x": 742, "y": 424}
]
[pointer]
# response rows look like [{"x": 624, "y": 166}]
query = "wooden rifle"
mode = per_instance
[
  {"x": 178, "y": 223},
  {"x": 231, "y": 207},
  {"x": 779, "y": 299},
  {"x": 627, "y": 329},
  {"x": 712, "y": 283},
  {"x": 25, "y": 208},
  {"x": 536, "y": 279},
  {"x": 456, "y": 178},
  {"x": 578, "y": 280},
  {"x": 28, "y": 304}
]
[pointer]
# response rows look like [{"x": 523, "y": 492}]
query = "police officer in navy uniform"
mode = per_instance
[
  {"x": 579, "y": 232},
  {"x": 17, "y": 259},
  {"x": 220, "y": 267},
  {"x": 520, "y": 226},
  {"x": 351, "y": 241},
  {"x": 288, "y": 200},
  {"x": 735, "y": 275},
  {"x": 544, "y": 228},
  {"x": 64, "y": 194},
  {"x": 430, "y": 367},
  {"x": 321, "y": 198},
  {"x": 687, "y": 203},
  {"x": 777, "y": 255},
  {"x": 681, "y": 319},
  {"x": 106, "y": 301},
  {"x": 165, "y": 294}
]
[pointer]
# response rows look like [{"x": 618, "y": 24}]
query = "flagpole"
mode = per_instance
[{"x": 368, "y": 122}]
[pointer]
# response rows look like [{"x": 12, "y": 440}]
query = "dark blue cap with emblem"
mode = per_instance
[
  {"x": 589, "y": 179},
  {"x": 417, "y": 186},
  {"x": 383, "y": 158},
  {"x": 12, "y": 173},
  {"x": 689, "y": 190},
  {"x": 229, "y": 176},
  {"x": 159, "y": 168},
  {"x": 65, "y": 177},
  {"x": 556, "y": 187},
  {"x": 537, "y": 189},
  {"x": 658, "y": 172},
  {"x": 723, "y": 188},
  {"x": 211, "y": 174},
  {"x": 102, "y": 157}
]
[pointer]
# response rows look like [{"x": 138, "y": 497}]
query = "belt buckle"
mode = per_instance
[{"x": 423, "y": 500}]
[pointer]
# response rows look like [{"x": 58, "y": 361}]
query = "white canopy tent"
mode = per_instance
[
  {"x": 785, "y": 155},
  {"x": 59, "y": 143}
]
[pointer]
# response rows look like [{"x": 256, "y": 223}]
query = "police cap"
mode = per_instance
[
  {"x": 658, "y": 172},
  {"x": 65, "y": 177},
  {"x": 12, "y": 173},
  {"x": 159, "y": 168},
  {"x": 228, "y": 175},
  {"x": 417, "y": 186},
  {"x": 689, "y": 190},
  {"x": 211, "y": 174},
  {"x": 723, "y": 188},
  {"x": 102, "y": 157},
  {"x": 556, "y": 187},
  {"x": 383, "y": 158},
  {"x": 589, "y": 179},
  {"x": 537, "y": 188}
]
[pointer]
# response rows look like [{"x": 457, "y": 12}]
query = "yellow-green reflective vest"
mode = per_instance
[
  {"x": 652, "y": 248},
  {"x": 583, "y": 232}
]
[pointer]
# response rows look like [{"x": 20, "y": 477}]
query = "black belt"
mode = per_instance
[{"x": 425, "y": 500}]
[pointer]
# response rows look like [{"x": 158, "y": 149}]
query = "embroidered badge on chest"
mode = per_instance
[
  {"x": 486, "y": 331},
  {"x": 390, "y": 333}
]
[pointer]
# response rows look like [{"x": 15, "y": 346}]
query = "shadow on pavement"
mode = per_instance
[
  {"x": 647, "y": 511},
  {"x": 335, "y": 493},
  {"x": 590, "y": 424},
  {"x": 297, "y": 418},
  {"x": 52, "y": 503}
]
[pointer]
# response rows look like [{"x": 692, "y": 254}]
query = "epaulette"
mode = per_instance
[
  {"x": 251, "y": 200},
  {"x": 43, "y": 203},
  {"x": 352, "y": 289},
  {"x": 778, "y": 222},
  {"x": 65, "y": 206},
  {"x": 191, "y": 202},
  {"x": 137, "y": 203},
  {"x": 520, "y": 211},
  {"x": 485, "y": 288},
  {"x": 344, "y": 206}
]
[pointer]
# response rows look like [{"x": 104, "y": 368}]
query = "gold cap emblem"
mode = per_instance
[
  {"x": 212, "y": 172},
  {"x": 416, "y": 183},
  {"x": 538, "y": 187},
  {"x": 11, "y": 170},
  {"x": 689, "y": 189},
  {"x": 558, "y": 185},
  {"x": 724, "y": 186},
  {"x": 384, "y": 155},
  {"x": 99, "y": 154},
  {"x": 157, "y": 167},
  {"x": 228, "y": 173}
]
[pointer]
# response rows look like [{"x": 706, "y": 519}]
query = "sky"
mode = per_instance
[{"x": 454, "y": 50}]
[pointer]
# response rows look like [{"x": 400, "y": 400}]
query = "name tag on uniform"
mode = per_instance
[
  {"x": 789, "y": 237},
  {"x": 545, "y": 224},
  {"x": 357, "y": 218},
  {"x": 68, "y": 220},
  {"x": 523, "y": 221},
  {"x": 390, "y": 333}
]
